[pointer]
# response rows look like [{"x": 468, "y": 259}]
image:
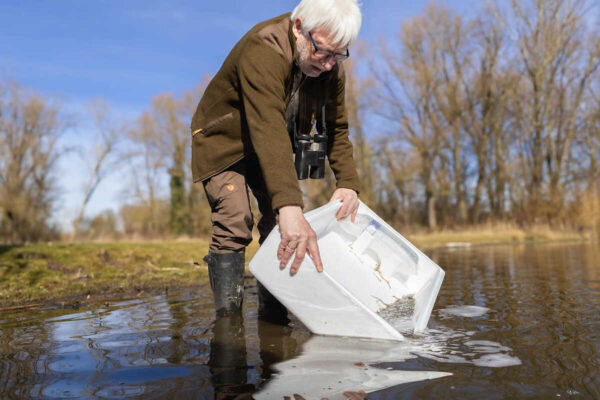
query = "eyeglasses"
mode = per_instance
[{"x": 324, "y": 55}]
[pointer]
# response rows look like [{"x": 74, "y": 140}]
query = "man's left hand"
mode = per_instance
[{"x": 349, "y": 200}]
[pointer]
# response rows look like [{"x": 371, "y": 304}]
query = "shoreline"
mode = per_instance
[
  {"x": 61, "y": 274},
  {"x": 493, "y": 235}
]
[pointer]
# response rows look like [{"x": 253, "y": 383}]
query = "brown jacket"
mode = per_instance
[{"x": 243, "y": 111}]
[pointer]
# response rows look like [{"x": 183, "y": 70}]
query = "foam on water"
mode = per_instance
[
  {"x": 464, "y": 311},
  {"x": 448, "y": 345},
  {"x": 496, "y": 361},
  {"x": 455, "y": 346}
]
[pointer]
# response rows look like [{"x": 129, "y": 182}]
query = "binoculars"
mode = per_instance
[
  {"x": 310, "y": 156},
  {"x": 310, "y": 150}
]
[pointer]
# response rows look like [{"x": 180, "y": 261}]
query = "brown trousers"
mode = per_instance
[{"x": 231, "y": 216}]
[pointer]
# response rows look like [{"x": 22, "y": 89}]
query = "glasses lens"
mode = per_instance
[
  {"x": 322, "y": 53},
  {"x": 326, "y": 54}
]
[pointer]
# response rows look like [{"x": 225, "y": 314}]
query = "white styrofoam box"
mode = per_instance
[{"x": 367, "y": 266}]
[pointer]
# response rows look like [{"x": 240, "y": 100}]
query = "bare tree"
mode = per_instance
[
  {"x": 146, "y": 164},
  {"x": 100, "y": 162},
  {"x": 30, "y": 126},
  {"x": 161, "y": 139},
  {"x": 395, "y": 189},
  {"x": 491, "y": 119},
  {"x": 174, "y": 139},
  {"x": 557, "y": 69},
  {"x": 488, "y": 89},
  {"x": 410, "y": 98},
  {"x": 357, "y": 106}
]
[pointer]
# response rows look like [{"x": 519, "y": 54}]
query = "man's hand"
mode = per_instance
[
  {"x": 298, "y": 236},
  {"x": 350, "y": 203}
]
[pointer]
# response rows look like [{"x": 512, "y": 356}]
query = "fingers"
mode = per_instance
[
  {"x": 297, "y": 237},
  {"x": 349, "y": 207},
  {"x": 286, "y": 246},
  {"x": 303, "y": 247},
  {"x": 311, "y": 246},
  {"x": 300, "y": 253},
  {"x": 350, "y": 203},
  {"x": 360, "y": 395},
  {"x": 285, "y": 250},
  {"x": 313, "y": 250},
  {"x": 280, "y": 249},
  {"x": 342, "y": 212},
  {"x": 354, "y": 215}
]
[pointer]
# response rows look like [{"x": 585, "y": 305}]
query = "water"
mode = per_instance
[{"x": 509, "y": 322}]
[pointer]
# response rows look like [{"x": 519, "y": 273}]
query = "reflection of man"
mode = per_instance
[
  {"x": 282, "y": 76},
  {"x": 227, "y": 361}
]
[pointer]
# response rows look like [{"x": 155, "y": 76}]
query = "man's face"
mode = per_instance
[{"x": 309, "y": 61}]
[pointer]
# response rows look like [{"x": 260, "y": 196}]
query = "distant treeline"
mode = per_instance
[{"x": 459, "y": 120}]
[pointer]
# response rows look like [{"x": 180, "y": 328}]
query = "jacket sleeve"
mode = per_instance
[
  {"x": 340, "y": 150},
  {"x": 262, "y": 75}
]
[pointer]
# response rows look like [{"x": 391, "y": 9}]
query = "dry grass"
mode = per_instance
[
  {"x": 46, "y": 273},
  {"x": 73, "y": 273},
  {"x": 488, "y": 234}
]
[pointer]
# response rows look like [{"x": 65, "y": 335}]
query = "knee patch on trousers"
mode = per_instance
[{"x": 231, "y": 216}]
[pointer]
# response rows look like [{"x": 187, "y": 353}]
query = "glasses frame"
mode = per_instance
[{"x": 338, "y": 57}]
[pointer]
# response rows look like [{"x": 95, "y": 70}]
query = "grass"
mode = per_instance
[
  {"x": 74, "y": 273},
  {"x": 71, "y": 274},
  {"x": 491, "y": 234}
]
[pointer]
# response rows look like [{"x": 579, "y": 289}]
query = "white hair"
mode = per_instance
[{"x": 341, "y": 17}]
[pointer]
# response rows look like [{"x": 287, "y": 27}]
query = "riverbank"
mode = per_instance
[
  {"x": 492, "y": 234},
  {"x": 69, "y": 274}
]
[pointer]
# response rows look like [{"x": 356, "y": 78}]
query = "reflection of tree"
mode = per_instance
[
  {"x": 540, "y": 300},
  {"x": 178, "y": 346},
  {"x": 25, "y": 353},
  {"x": 144, "y": 348}
]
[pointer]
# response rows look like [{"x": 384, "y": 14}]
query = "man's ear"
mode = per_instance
[{"x": 297, "y": 27}]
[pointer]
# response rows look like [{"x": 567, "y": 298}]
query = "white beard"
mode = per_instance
[{"x": 304, "y": 55}]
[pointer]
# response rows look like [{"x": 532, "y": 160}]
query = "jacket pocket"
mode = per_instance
[{"x": 206, "y": 128}]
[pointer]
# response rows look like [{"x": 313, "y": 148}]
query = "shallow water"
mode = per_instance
[{"x": 509, "y": 322}]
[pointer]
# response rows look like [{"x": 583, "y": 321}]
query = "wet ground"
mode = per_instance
[{"x": 510, "y": 322}]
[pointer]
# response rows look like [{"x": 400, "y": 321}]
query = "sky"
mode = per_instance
[{"x": 127, "y": 51}]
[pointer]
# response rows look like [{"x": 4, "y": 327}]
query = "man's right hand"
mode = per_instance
[{"x": 298, "y": 236}]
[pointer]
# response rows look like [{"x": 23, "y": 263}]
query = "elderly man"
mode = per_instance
[{"x": 283, "y": 77}]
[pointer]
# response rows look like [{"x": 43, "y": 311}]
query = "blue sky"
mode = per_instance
[{"x": 130, "y": 50}]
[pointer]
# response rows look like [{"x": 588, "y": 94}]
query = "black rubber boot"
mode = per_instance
[
  {"x": 269, "y": 308},
  {"x": 226, "y": 274}
]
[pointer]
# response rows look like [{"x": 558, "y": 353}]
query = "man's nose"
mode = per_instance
[{"x": 328, "y": 63}]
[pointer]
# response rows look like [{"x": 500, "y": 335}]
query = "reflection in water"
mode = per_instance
[
  {"x": 227, "y": 359},
  {"x": 464, "y": 311},
  {"x": 510, "y": 321},
  {"x": 452, "y": 346},
  {"x": 24, "y": 346},
  {"x": 330, "y": 366}
]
